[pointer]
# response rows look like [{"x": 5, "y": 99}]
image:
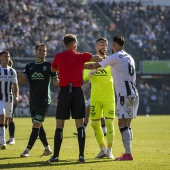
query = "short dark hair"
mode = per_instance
[
  {"x": 101, "y": 38},
  {"x": 4, "y": 52},
  {"x": 119, "y": 40},
  {"x": 70, "y": 38},
  {"x": 40, "y": 44}
]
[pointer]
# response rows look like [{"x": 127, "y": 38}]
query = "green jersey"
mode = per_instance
[{"x": 101, "y": 85}]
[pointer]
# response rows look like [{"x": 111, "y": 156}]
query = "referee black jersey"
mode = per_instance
[
  {"x": 39, "y": 75},
  {"x": 7, "y": 77}
]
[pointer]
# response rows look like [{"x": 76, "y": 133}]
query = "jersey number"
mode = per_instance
[{"x": 131, "y": 69}]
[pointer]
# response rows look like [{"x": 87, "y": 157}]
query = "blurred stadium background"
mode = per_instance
[{"x": 144, "y": 23}]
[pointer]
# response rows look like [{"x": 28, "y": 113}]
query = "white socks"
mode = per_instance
[
  {"x": 2, "y": 135},
  {"x": 127, "y": 139}
]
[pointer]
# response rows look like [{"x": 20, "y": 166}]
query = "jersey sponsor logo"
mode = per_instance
[
  {"x": 5, "y": 78},
  {"x": 101, "y": 73},
  {"x": 37, "y": 76}
]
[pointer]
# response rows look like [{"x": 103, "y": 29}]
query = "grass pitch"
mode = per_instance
[{"x": 151, "y": 147}]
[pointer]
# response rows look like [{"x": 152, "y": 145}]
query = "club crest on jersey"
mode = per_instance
[{"x": 45, "y": 68}]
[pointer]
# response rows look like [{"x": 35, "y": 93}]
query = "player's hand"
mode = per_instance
[
  {"x": 22, "y": 79},
  {"x": 16, "y": 99},
  {"x": 19, "y": 74},
  {"x": 92, "y": 72}
]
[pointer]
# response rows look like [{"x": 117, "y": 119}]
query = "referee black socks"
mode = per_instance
[
  {"x": 57, "y": 141},
  {"x": 81, "y": 140}
]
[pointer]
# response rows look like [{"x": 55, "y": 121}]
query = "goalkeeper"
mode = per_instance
[{"x": 102, "y": 101}]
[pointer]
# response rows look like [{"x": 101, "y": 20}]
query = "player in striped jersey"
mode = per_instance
[
  {"x": 9, "y": 121},
  {"x": 124, "y": 75},
  {"x": 8, "y": 78}
]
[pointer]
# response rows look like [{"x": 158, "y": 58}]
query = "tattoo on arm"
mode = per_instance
[{"x": 92, "y": 66}]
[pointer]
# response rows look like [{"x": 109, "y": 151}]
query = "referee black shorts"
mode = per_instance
[{"x": 70, "y": 104}]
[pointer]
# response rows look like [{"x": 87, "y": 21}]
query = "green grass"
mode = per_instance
[{"x": 151, "y": 147}]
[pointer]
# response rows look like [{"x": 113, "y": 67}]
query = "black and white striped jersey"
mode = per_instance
[
  {"x": 123, "y": 72},
  {"x": 7, "y": 77}
]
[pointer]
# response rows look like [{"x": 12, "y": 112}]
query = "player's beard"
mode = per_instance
[{"x": 102, "y": 53}]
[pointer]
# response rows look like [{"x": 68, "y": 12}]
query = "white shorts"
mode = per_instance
[
  {"x": 127, "y": 107},
  {"x": 6, "y": 108}
]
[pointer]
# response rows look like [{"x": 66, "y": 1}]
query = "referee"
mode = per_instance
[{"x": 69, "y": 65}]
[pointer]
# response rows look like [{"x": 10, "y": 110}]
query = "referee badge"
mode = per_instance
[{"x": 44, "y": 68}]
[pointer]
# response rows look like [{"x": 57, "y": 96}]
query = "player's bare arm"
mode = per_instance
[
  {"x": 22, "y": 79},
  {"x": 96, "y": 58},
  {"x": 16, "y": 93},
  {"x": 92, "y": 66},
  {"x": 85, "y": 86},
  {"x": 56, "y": 82},
  {"x": 54, "y": 69}
]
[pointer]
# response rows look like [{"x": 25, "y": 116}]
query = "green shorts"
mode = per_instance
[{"x": 102, "y": 109}]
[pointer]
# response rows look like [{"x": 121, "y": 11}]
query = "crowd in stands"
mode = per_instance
[
  {"x": 146, "y": 27},
  {"x": 150, "y": 94},
  {"x": 25, "y": 23}
]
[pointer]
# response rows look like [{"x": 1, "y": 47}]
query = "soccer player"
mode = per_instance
[
  {"x": 69, "y": 65},
  {"x": 124, "y": 76},
  {"x": 9, "y": 121},
  {"x": 8, "y": 78},
  {"x": 39, "y": 75},
  {"x": 102, "y": 101},
  {"x": 86, "y": 89}
]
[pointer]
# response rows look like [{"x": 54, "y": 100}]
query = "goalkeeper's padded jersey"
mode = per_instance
[{"x": 101, "y": 85}]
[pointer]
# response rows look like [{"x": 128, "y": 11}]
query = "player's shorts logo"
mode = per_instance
[{"x": 110, "y": 112}]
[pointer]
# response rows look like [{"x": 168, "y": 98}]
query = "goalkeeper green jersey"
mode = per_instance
[{"x": 101, "y": 85}]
